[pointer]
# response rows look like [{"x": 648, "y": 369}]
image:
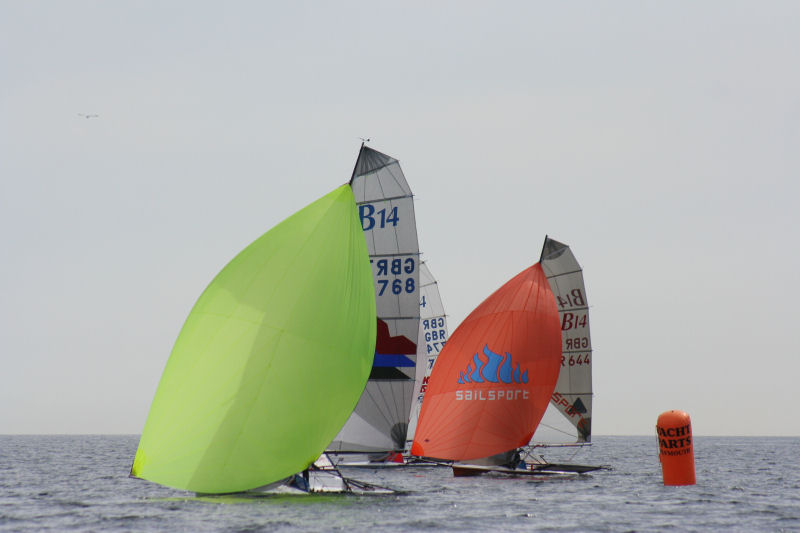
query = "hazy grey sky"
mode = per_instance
[{"x": 660, "y": 140}]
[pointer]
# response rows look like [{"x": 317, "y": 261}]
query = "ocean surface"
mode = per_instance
[{"x": 81, "y": 483}]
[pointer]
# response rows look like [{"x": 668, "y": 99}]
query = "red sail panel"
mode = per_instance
[
  {"x": 493, "y": 380},
  {"x": 385, "y": 343}
]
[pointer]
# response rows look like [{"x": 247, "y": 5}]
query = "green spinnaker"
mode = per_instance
[{"x": 271, "y": 360}]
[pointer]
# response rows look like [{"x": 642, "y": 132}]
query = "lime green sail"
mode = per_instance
[{"x": 271, "y": 360}]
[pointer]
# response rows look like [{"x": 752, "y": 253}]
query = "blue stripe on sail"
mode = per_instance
[{"x": 392, "y": 359}]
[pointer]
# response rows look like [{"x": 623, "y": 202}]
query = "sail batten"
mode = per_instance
[
  {"x": 560, "y": 274},
  {"x": 387, "y": 198}
]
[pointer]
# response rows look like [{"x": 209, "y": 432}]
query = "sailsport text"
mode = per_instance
[{"x": 492, "y": 394}]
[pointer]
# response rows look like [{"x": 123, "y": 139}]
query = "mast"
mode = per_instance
[
  {"x": 355, "y": 166},
  {"x": 544, "y": 247}
]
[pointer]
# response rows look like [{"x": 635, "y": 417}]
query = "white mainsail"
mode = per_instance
[
  {"x": 568, "y": 418},
  {"x": 380, "y": 420},
  {"x": 432, "y": 337}
]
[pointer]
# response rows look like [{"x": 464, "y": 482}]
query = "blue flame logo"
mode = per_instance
[{"x": 498, "y": 369}]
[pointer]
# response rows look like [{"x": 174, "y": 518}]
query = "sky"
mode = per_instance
[{"x": 660, "y": 140}]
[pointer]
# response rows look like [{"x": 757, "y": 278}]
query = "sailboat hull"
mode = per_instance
[
  {"x": 319, "y": 483},
  {"x": 322, "y": 477},
  {"x": 546, "y": 469}
]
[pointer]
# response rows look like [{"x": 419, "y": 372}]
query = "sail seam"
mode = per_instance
[{"x": 376, "y": 169}]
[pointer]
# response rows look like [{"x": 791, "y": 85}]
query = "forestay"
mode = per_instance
[
  {"x": 569, "y": 416},
  {"x": 380, "y": 420}
]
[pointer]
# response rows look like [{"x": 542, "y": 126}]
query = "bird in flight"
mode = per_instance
[{"x": 84, "y": 115}]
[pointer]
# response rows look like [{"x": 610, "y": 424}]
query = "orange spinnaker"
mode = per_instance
[{"x": 493, "y": 380}]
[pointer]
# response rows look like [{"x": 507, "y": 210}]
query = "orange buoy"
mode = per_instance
[{"x": 676, "y": 453}]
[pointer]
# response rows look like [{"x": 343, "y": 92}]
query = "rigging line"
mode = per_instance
[
  {"x": 557, "y": 429},
  {"x": 345, "y": 481},
  {"x": 571, "y": 457},
  {"x": 559, "y": 445}
]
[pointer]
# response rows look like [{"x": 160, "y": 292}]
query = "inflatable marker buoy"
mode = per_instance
[{"x": 676, "y": 453}]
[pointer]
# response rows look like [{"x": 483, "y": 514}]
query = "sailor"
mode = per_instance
[{"x": 517, "y": 462}]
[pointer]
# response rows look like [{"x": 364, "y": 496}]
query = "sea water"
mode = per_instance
[{"x": 81, "y": 483}]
